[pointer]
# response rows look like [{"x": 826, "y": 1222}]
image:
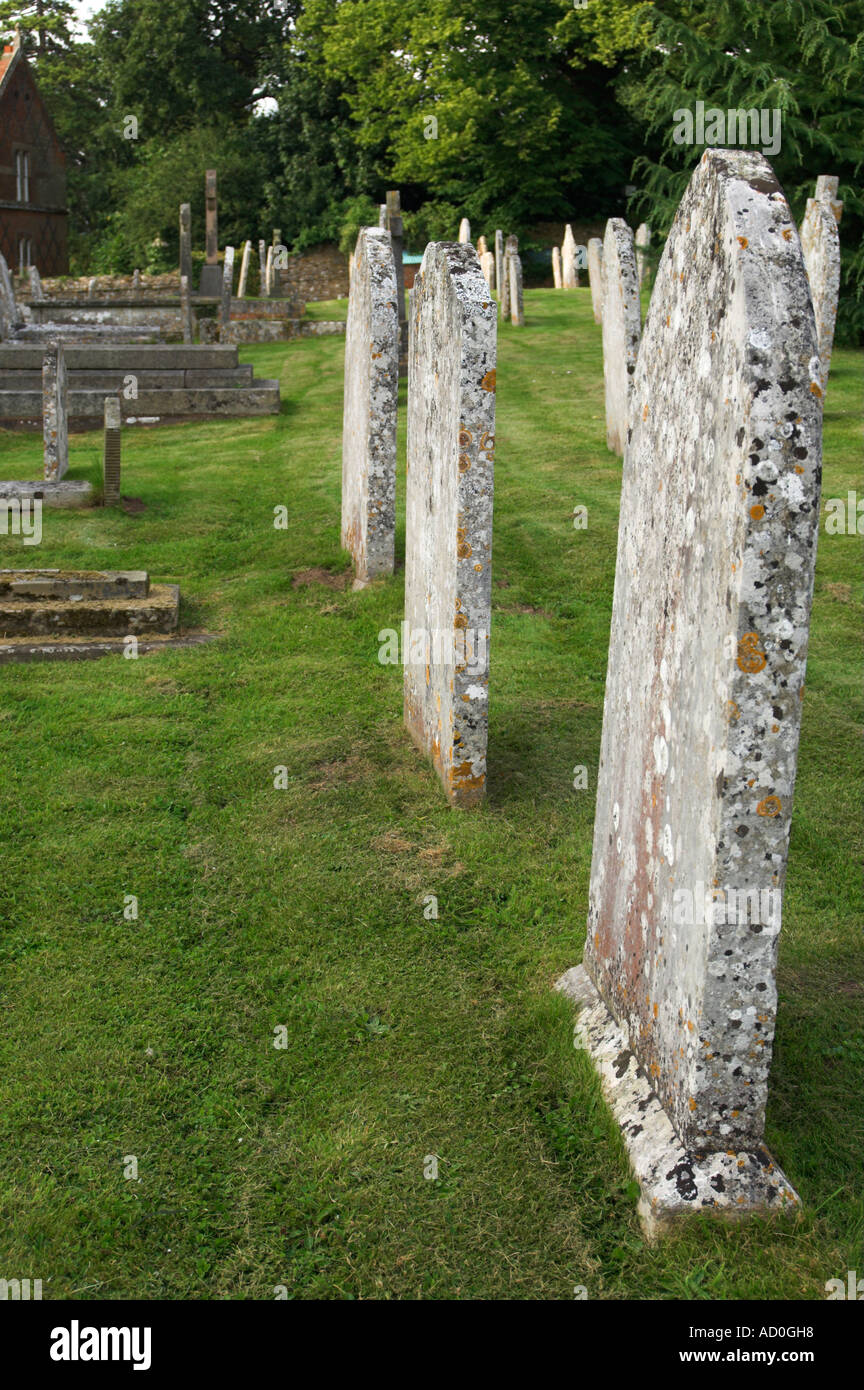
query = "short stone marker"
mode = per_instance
[
  {"x": 827, "y": 186},
  {"x": 448, "y": 551},
  {"x": 244, "y": 270},
  {"x": 643, "y": 241},
  {"x": 569, "y": 272},
  {"x": 556, "y": 268},
  {"x": 517, "y": 309},
  {"x": 36, "y": 290},
  {"x": 186, "y": 310},
  {"x": 487, "y": 265},
  {"x": 111, "y": 452},
  {"x": 820, "y": 245},
  {"x": 622, "y": 326},
  {"x": 225, "y": 300},
  {"x": 186, "y": 241},
  {"x": 55, "y": 399},
  {"x": 369, "y": 416},
  {"x": 595, "y": 276},
  {"x": 702, "y": 711},
  {"x": 499, "y": 262},
  {"x": 464, "y": 230}
]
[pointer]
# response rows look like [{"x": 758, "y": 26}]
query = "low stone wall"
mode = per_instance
[{"x": 320, "y": 273}]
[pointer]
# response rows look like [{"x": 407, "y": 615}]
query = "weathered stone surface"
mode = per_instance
[
  {"x": 111, "y": 452},
  {"x": 595, "y": 276},
  {"x": 186, "y": 241},
  {"x": 643, "y": 241},
  {"x": 36, "y": 290},
  {"x": 225, "y": 300},
  {"x": 820, "y": 245},
  {"x": 482, "y": 248},
  {"x": 70, "y": 492},
  {"x": 511, "y": 247},
  {"x": 487, "y": 265},
  {"x": 212, "y": 220},
  {"x": 713, "y": 586},
  {"x": 186, "y": 310},
  {"x": 622, "y": 326},
  {"x": 569, "y": 270},
  {"x": 8, "y": 308},
  {"x": 827, "y": 186},
  {"x": 268, "y": 273},
  {"x": 517, "y": 309},
  {"x": 499, "y": 262},
  {"x": 244, "y": 270},
  {"x": 55, "y": 429},
  {"x": 73, "y": 584},
  {"x": 393, "y": 208},
  {"x": 556, "y": 268},
  {"x": 369, "y": 418},
  {"x": 448, "y": 580},
  {"x": 87, "y": 616},
  {"x": 464, "y": 230},
  {"x": 262, "y": 267}
]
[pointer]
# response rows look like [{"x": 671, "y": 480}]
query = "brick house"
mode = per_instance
[{"x": 33, "y": 213}]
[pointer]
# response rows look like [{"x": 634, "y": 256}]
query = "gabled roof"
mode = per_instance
[{"x": 9, "y": 60}]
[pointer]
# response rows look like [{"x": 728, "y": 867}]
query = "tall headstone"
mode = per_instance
[
  {"x": 55, "y": 423},
  {"x": 713, "y": 586},
  {"x": 111, "y": 452},
  {"x": 8, "y": 306},
  {"x": 268, "y": 273},
  {"x": 556, "y": 268},
  {"x": 622, "y": 323},
  {"x": 394, "y": 226},
  {"x": 186, "y": 241},
  {"x": 827, "y": 186},
  {"x": 499, "y": 262},
  {"x": 36, "y": 290},
  {"x": 643, "y": 241},
  {"x": 136, "y": 282},
  {"x": 465, "y": 231},
  {"x": 448, "y": 549},
  {"x": 225, "y": 298},
  {"x": 186, "y": 310},
  {"x": 569, "y": 271},
  {"x": 210, "y": 285},
  {"x": 517, "y": 308},
  {"x": 504, "y": 288},
  {"x": 382, "y": 215},
  {"x": 820, "y": 245},
  {"x": 595, "y": 276},
  {"x": 487, "y": 265},
  {"x": 244, "y": 270},
  {"x": 262, "y": 268},
  {"x": 482, "y": 248},
  {"x": 369, "y": 418}
]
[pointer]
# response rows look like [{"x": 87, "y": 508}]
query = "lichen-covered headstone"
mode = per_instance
[
  {"x": 643, "y": 241},
  {"x": 36, "y": 290},
  {"x": 244, "y": 270},
  {"x": 448, "y": 547},
  {"x": 369, "y": 416},
  {"x": 397, "y": 234},
  {"x": 211, "y": 223},
  {"x": 595, "y": 276},
  {"x": 464, "y": 230},
  {"x": 225, "y": 298},
  {"x": 111, "y": 452},
  {"x": 713, "y": 586},
  {"x": 511, "y": 244},
  {"x": 262, "y": 269},
  {"x": 8, "y": 305},
  {"x": 556, "y": 268},
  {"x": 517, "y": 309},
  {"x": 827, "y": 186},
  {"x": 820, "y": 245},
  {"x": 622, "y": 326},
  {"x": 499, "y": 262},
  {"x": 569, "y": 270},
  {"x": 55, "y": 424}
]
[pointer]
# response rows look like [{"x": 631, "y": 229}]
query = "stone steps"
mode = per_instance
[
  {"x": 73, "y": 585},
  {"x": 81, "y": 614}
]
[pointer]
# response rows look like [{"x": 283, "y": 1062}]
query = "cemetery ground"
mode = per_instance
[{"x": 406, "y": 1036}]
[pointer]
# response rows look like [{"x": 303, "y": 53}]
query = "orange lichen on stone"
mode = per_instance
[
  {"x": 757, "y": 512},
  {"x": 771, "y": 806},
  {"x": 489, "y": 381}
]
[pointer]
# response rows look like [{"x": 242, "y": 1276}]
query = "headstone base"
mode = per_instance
[{"x": 674, "y": 1181}]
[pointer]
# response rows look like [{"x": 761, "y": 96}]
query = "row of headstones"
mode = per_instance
[
  {"x": 616, "y": 270},
  {"x": 714, "y": 579},
  {"x": 55, "y": 426},
  {"x": 502, "y": 271}
]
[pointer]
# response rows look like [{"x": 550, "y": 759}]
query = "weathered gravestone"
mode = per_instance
[
  {"x": 517, "y": 309},
  {"x": 36, "y": 290},
  {"x": 186, "y": 310},
  {"x": 55, "y": 398},
  {"x": 643, "y": 241},
  {"x": 244, "y": 270},
  {"x": 210, "y": 285},
  {"x": 268, "y": 273},
  {"x": 820, "y": 245},
  {"x": 713, "y": 585},
  {"x": 186, "y": 241},
  {"x": 136, "y": 282},
  {"x": 369, "y": 417},
  {"x": 482, "y": 248},
  {"x": 8, "y": 305},
  {"x": 827, "y": 186},
  {"x": 499, "y": 262},
  {"x": 111, "y": 452},
  {"x": 448, "y": 548},
  {"x": 595, "y": 276},
  {"x": 622, "y": 326},
  {"x": 262, "y": 268},
  {"x": 225, "y": 298},
  {"x": 556, "y": 268},
  {"x": 393, "y": 209},
  {"x": 487, "y": 265},
  {"x": 569, "y": 272},
  {"x": 464, "y": 230}
]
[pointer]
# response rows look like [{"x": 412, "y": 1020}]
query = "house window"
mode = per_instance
[{"x": 22, "y": 176}]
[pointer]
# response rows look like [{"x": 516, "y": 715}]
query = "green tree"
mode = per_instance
[{"x": 46, "y": 25}]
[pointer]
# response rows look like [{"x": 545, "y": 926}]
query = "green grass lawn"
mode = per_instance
[{"x": 259, "y": 908}]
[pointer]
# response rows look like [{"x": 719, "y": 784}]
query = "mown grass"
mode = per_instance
[{"x": 258, "y": 908}]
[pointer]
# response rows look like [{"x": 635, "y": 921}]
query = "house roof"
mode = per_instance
[{"x": 9, "y": 60}]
